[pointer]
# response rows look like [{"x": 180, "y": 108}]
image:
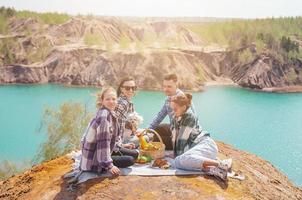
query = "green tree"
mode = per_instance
[
  {"x": 6, "y": 50},
  {"x": 288, "y": 45},
  {"x": 7, "y": 12},
  {"x": 64, "y": 127},
  {"x": 124, "y": 42}
]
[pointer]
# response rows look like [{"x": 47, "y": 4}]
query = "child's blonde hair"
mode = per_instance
[{"x": 100, "y": 96}]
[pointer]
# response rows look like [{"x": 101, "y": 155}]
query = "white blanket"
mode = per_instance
[{"x": 135, "y": 170}]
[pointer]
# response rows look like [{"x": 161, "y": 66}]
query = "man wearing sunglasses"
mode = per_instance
[{"x": 170, "y": 88}]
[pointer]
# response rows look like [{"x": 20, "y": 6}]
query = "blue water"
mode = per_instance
[{"x": 265, "y": 124}]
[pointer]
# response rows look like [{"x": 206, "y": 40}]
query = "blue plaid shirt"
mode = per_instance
[{"x": 166, "y": 110}]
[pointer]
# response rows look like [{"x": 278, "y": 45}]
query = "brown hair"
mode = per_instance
[
  {"x": 100, "y": 96},
  {"x": 183, "y": 100},
  {"x": 169, "y": 77},
  {"x": 129, "y": 78}
]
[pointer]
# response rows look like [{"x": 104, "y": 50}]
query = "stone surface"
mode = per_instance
[
  {"x": 58, "y": 54},
  {"x": 263, "y": 181}
]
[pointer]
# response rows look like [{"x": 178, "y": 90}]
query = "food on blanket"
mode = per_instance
[
  {"x": 161, "y": 163},
  {"x": 143, "y": 159}
]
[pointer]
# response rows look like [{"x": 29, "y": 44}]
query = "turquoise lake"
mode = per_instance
[{"x": 266, "y": 124}]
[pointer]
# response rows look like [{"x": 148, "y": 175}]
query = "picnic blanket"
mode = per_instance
[{"x": 135, "y": 170}]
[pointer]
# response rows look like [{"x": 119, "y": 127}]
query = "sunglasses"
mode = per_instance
[{"x": 130, "y": 87}]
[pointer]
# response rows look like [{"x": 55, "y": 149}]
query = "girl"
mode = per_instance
[
  {"x": 101, "y": 136},
  {"x": 193, "y": 148}
]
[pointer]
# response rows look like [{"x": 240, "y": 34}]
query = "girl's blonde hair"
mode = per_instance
[{"x": 100, "y": 96}]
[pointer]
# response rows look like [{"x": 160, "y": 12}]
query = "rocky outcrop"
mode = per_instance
[
  {"x": 263, "y": 72},
  {"x": 267, "y": 72},
  {"x": 262, "y": 182},
  {"x": 58, "y": 54},
  {"x": 93, "y": 66},
  {"x": 23, "y": 74}
]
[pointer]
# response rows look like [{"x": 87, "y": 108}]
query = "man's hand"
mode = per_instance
[
  {"x": 134, "y": 127},
  {"x": 114, "y": 171},
  {"x": 138, "y": 132},
  {"x": 129, "y": 145}
]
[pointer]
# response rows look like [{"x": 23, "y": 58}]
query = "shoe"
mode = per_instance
[
  {"x": 219, "y": 173},
  {"x": 226, "y": 164}
]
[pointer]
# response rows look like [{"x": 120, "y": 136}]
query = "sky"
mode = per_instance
[{"x": 165, "y": 8}]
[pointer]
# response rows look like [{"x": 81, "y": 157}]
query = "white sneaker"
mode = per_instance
[
  {"x": 226, "y": 164},
  {"x": 219, "y": 173}
]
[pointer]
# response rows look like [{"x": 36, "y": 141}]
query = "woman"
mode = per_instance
[
  {"x": 126, "y": 90},
  {"x": 194, "y": 149},
  {"x": 100, "y": 138}
]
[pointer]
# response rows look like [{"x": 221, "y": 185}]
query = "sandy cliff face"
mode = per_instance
[
  {"x": 267, "y": 72},
  {"x": 263, "y": 72},
  {"x": 92, "y": 66},
  {"x": 263, "y": 181},
  {"x": 146, "y": 50}
]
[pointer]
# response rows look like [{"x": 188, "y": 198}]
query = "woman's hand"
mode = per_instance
[
  {"x": 134, "y": 127},
  {"x": 129, "y": 145},
  {"x": 114, "y": 171}
]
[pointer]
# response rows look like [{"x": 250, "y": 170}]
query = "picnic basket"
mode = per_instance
[{"x": 160, "y": 153}]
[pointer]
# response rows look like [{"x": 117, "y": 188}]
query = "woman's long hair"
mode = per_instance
[
  {"x": 129, "y": 78},
  {"x": 183, "y": 100}
]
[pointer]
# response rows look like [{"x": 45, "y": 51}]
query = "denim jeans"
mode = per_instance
[
  {"x": 193, "y": 158},
  {"x": 124, "y": 157}
]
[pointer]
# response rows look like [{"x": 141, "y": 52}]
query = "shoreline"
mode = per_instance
[
  {"x": 285, "y": 89},
  {"x": 281, "y": 90}
]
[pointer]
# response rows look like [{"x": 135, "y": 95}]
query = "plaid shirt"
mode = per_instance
[
  {"x": 99, "y": 142},
  {"x": 166, "y": 110},
  {"x": 185, "y": 132},
  {"x": 123, "y": 109}
]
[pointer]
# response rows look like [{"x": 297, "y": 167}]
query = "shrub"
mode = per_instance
[
  {"x": 47, "y": 18},
  {"x": 93, "y": 39},
  {"x": 64, "y": 127},
  {"x": 7, "y": 169}
]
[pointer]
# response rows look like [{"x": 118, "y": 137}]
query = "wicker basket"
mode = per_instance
[{"x": 160, "y": 153}]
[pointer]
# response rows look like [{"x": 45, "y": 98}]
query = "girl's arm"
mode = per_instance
[
  {"x": 190, "y": 126},
  {"x": 103, "y": 145}
]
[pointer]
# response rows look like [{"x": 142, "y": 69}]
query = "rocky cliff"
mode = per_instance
[
  {"x": 263, "y": 181},
  {"x": 100, "y": 50}
]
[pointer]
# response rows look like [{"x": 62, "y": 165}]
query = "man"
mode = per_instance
[{"x": 170, "y": 88}]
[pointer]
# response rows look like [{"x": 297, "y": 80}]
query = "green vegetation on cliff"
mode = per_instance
[
  {"x": 47, "y": 18},
  {"x": 277, "y": 36}
]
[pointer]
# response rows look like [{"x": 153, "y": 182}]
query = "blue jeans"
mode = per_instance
[{"x": 193, "y": 158}]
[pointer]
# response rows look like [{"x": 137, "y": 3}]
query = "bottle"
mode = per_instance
[{"x": 142, "y": 142}]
